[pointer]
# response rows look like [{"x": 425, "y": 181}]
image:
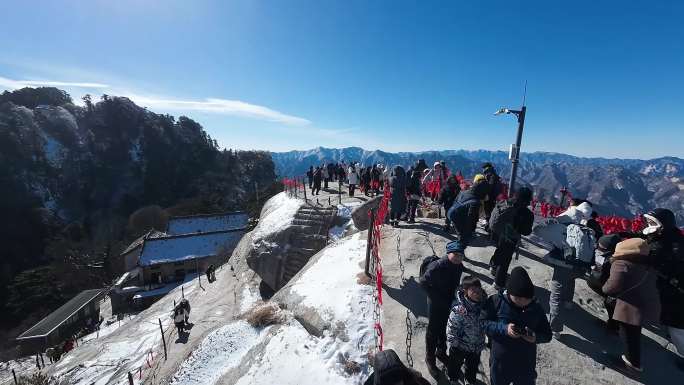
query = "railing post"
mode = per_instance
[
  {"x": 369, "y": 241},
  {"x": 163, "y": 338},
  {"x": 304, "y": 188}
]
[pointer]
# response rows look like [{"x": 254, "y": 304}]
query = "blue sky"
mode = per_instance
[{"x": 605, "y": 78}]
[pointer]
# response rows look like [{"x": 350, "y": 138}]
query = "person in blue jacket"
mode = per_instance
[{"x": 515, "y": 323}]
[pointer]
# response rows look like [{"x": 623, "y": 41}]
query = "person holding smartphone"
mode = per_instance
[{"x": 515, "y": 323}]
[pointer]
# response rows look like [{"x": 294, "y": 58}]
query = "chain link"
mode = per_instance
[{"x": 409, "y": 323}]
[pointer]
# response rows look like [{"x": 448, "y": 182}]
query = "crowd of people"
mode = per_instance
[
  {"x": 369, "y": 180},
  {"x": 639, "y": 274}
]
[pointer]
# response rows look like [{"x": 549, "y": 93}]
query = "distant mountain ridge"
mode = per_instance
[{"x": 616, "y": 186}]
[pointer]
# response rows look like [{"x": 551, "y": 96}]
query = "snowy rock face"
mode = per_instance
[{"x": 288, "y": 234}]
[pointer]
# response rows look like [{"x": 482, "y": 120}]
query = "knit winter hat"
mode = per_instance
[
  {"x": 632, "y": 246},
  {"x": 455, "y": 247},
  {"x": 608, "y": 242},
  {"x": 519, "y": 283},
  {"x": 478, "y": 178}
]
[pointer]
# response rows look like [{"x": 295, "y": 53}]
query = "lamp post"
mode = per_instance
[{"x": 514, "y": 154}]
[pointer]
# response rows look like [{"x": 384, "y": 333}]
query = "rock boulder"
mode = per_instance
[{"x": 360, "y": 214}]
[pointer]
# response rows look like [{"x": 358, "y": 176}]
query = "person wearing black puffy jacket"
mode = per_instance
[
  {"x": 447, "y": 196},
  {"x": 667, "y": 253},
  {"x": 515, "y": 323},
  {"x": 465, "y": 211}
]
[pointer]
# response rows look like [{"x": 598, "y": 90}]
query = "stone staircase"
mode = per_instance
[{"x": 311, "y": 224}]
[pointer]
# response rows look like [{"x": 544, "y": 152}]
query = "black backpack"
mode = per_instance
[
  {"x": 502, "y": 221},
  {"x": 387, "y": 369},
  {"x": 424, "y": 266}
]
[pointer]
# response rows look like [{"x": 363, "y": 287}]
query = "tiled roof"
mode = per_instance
[
  {"x": 178, "y": 248},
  {"x": 138, "y": 242},
  {"x": 57, "y": 317},
  {"x": 207, "y": 223}
]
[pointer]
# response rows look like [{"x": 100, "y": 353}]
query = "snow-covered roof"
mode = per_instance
[
  {"x": 206, "y": 223},
  {"x": 178, "y": 248},
  {"x": 164, "y": 289},
  {"x": 138, "y": 242},
  {"x": 59, "y": 316}
]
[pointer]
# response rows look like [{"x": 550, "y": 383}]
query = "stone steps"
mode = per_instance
[{"x": 310, "y": 222}]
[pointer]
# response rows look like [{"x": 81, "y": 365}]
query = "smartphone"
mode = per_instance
[{"x": 523, "y": 331}]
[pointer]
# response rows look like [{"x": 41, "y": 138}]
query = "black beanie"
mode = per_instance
[{"x": 519, "y": 283}]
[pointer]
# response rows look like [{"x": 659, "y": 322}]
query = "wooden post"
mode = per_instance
[
  {"x": 369, "y": 241},
  {"x": 15, "y": 378},
  {"x": 130, "y": 378},
  {"x": 329, "y": 200},
  {"x": 163, "y": 338},
  {"x": 42, "y": 360},
  {"x": 339, "y": 190},
  {"x": 182, "y": 291},
  {"x": 37, "y": 362}
]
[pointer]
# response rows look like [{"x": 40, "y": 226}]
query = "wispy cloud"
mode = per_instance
[
  {"x": 219, "y": 106},
  {"x": 208, "y": 105},
  {"x": 15, "y": 84}
]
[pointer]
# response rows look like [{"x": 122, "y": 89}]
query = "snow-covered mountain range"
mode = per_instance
[{"x": 617, "y": 186}]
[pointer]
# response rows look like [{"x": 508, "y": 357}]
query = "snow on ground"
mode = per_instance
[
  {"x": 280, "y": 217},
  {"x": 330, "y": 286},
  {"x": 221, "y": 351},
  {"x": 106, "y": 329},
  {"x": 344, "y": 210},
  {"x": 22, "y": 367},
  {"x": 334, "y": 275},
  {"x": 293, "y": 357},
  {"x": 249, "y": 298},
  {"x": 112, "y": 355}
]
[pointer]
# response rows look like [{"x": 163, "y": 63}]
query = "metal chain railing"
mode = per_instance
[
  {"x": 375, "y": 230},
  {"x": 409, "y": 322}
]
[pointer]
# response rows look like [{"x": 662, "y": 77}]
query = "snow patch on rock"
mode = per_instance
[
  {"x": 249, "y": 298},
  {"x": 280, "y": 217},
  {"x": 334, "y": 276},
  {"x": 293, "y": 357}
]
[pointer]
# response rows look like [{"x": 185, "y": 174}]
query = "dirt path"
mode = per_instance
[{"x": 580, "y": 357}]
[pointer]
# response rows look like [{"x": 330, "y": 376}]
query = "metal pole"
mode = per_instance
[
  {"x": 15, "y": 378},
  {"x": 42, "y": 360},
  {"x": 182, "y": 291},
  {"x": 369, "y": 241},
  {"x": 516, "y": 157},
  {"x": 304, "y": 188},
  {"x": 163, "y": 338},
  {"x": 199, "y": 276}
]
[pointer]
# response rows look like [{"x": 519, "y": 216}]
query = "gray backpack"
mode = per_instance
[
  {"x": 583, "y": 241},
  {"x": 502, "y": 221}
]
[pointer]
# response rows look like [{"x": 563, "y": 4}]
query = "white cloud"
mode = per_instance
[
  {"x": 208, "y": 105},
  {"x": 219, "y": 106},
  {"x": 15, "y": 84}
]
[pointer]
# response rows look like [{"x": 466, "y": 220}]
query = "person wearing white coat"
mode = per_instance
[{"x": 353, "y": 177}]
